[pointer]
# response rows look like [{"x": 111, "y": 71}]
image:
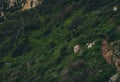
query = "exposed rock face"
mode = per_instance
[
  {"x": 111, "y": 53},
  {"x": 76, "y": 48},
  {"x": 116, "y": 53},
  {"x": 106, "y": 53},
  {"x": 114, "y": 78},
  {"x": 31, "y": 4},
  {"x": 26, "y": 4},
  {"x": 7, "y": 4},
  {"x": 117, "y": 64},
  {"x": 12, "y": 3}
]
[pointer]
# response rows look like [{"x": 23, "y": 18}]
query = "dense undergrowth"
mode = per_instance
[{"x": 36, "y": 45}]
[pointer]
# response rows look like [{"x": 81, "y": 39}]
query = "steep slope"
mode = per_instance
[{"x": 36, "y": 45}]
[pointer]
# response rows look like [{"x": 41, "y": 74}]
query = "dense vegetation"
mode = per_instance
[{"x": 36, "y": 45}]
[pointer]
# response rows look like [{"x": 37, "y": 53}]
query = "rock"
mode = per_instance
[
  {"x": 109, "y": 56},
  {"x": 31, "y": 4},
  {"x": 106, "y": 52},
  {"x": 11, "y": 4},
  {"x": 76, "y": 48},
  {"x": 90, "y": 45},
  {"x": 114, "y": 78},
  {"x": 7, "y": 63},
  {"x": 115, "y": 8},
  {"x": 116, "y": 54},
  {"x": 117, "y": 64}
]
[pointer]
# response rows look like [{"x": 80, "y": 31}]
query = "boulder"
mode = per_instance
[
  {"x": 90, "y": 45},
  {"x": 115, "y": 8},
  {"x": 76, "y": 48}
]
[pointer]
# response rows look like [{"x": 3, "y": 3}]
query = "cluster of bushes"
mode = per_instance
[{"x": 39, "y": 43}]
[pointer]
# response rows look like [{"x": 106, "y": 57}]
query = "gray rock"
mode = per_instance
[{"x": 114, "y": 78}]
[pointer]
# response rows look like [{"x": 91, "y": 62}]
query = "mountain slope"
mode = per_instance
[{"x": 36, "y": 45}]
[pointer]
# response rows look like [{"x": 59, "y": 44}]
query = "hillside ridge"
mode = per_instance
[{"x": 61, "y": 41}]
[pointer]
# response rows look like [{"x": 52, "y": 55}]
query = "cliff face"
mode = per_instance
[
  {"x": 30, "y": 4},
  {"x": 12, "y": 5},
  {"x": 26, "y": 4}
]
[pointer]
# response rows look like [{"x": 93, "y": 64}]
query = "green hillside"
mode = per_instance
[{"x": 36, "y": 45}]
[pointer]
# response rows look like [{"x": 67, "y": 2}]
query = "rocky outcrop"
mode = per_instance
[
  {"x": 25, "y": 4},
  {"x": 111, "y": 53},
  {"x": 117, "y": 64},
  {"x": 116, "y": 53},
  {"x": 106, "y": 53},
  {"x": 31, "y": 4},
  {"x": 12, "y": 3},
  {"x": 114, "y": 78}
]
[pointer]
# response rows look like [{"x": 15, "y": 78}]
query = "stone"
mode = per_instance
[
  {"x": 117, "y": 64},
  {"x": 114, "y": 78},
  {"x": 76, "y": 48},
  {"x": 106, "y": 52},
  {"x": 90, "y": 45},
  {"x": 31, "y": 4},
  {"x": 115, "y": 8}
]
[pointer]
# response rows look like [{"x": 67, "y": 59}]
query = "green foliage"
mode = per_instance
[{"x": 36, "y": 45}]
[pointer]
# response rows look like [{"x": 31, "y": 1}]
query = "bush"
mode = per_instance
[{"x": 22, "y": 48}]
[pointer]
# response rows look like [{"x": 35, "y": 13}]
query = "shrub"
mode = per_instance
[{"x": 22, "y": 48}]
